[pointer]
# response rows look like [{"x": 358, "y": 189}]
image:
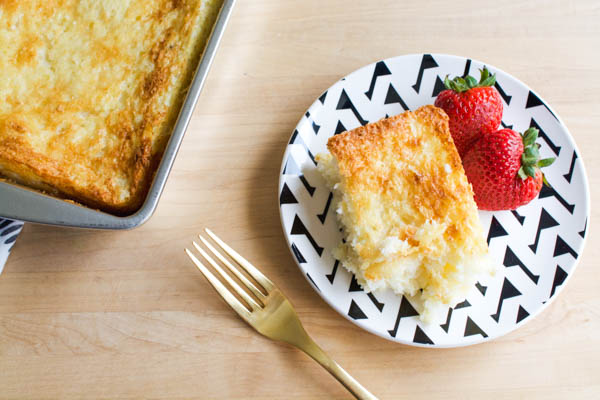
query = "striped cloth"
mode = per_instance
[{"x": 9, "y": 230}]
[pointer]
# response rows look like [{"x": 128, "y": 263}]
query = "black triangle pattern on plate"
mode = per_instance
[
  {"x": 559, "y": 278},
  {"x": 297, "y": 139},
  {"x": 542, "y": 134},
  {"x": 286, "y": 196},
  {"x": 299, "y": 256},
  {"x": 346, "y": 104},
  {"x": 467, "y": 68},
  {"x": 508, "y": 291},
  {"x": 298, "y": 228},
  {"x": 340, "y": 128},
  {"x": 496, "y": 230},
  {"x": 463, "y": 304},
  {"x": 569, "y": 175},
  {"x": 291, "y": 168},
  {"x": 354, "y": 286},
  {"x": 333, "y": 273},
  {"x": 518, "y": 216},
  {"x": 377, "y": 303},
  {"x": 522, "y": 314},
  {"x": 446, "y": 326},
  {"x": 546, "y": 221},
  {"x": 426, "y": 62},
  {"x": 316, "y": 127},
  {"x": 312, "y": 281},
  {"x": 380, "y": 70},
  {"x": 511, "y": 259},
  {"x": 561, "y": 247},
  {"x": 504, "y": 96},
  {"x": 393, "y": 97},
  {"x": 548, "y": 191},
  {"x": 481, "y": 288},
  {"x": 355, "y": 311},
  {"x": 307, "y": 115},
  {"x": 309, "y": 188},
  {"x": 421, "y": 337},
  {"x": 405, "y": 310},
  {"x": 505, "y": 126},
  {"x": 322, "y": 98},
  {"x": 471, "y": 328},
  {"x": 438, "y": 87},
  {"x": 534, "y": 101},
  {"x": 323, "y": 216},
  {"x": 582, "y": 233},
  {"x": 293, "y": 138}
]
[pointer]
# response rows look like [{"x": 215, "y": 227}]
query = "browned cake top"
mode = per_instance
[{"x": 89, "y": 91}]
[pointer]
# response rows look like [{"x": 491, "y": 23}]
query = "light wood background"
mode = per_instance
[{"x": 87, "y": 314}]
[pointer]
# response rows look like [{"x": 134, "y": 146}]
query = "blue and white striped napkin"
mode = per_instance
[{"x": 9, "y": 230}]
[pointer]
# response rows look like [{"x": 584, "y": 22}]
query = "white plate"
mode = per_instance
[{"x": 539, "y": 244}]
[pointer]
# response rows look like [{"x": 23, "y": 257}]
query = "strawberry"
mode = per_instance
[
  {"x": 474, "y": 108},
  {"x": 504, "y": 169}
]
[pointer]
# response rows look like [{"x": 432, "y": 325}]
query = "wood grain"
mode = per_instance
[{"x": 87, "y": 314}]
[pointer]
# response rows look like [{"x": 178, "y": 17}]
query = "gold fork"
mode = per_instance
[{"x": 269, "y": 311}]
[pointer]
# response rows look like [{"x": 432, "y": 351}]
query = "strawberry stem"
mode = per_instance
[
  {"x": 530, "y": 159},
  {"x": 460, "y": 84}
]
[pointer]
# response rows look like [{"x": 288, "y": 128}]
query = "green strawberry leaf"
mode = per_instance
[
  {"x": 532, "y": 152},
  {"x": 546, "y": 162},
  {"x": 460, "y": 84},
  {"x": 485, "y": 73},
  {"x": 448, "y": 83},
  {"x": 491, "y": 81},
  {"x": 472, "y": 82},
  {"x": 530, "y": 136},
  {"x": 529, "y": 170},
  {"x": 522, "y": 174}
]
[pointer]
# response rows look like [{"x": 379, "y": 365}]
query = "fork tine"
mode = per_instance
[
  {"x": 241, "y": 292},
  {"x": 233, "y": 269},
  {"x": 220, "y": 288},
  {"x": 251, "y": 269}
]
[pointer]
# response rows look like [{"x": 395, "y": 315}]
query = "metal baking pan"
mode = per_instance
[{"x": 18, "y": 202}]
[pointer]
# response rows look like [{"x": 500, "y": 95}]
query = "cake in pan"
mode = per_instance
[
  {"x": 407, "y": 211},
  {"x": 90, "y": 91}
]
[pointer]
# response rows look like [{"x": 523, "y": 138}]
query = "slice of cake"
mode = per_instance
[{"x": 407, "y": 211}]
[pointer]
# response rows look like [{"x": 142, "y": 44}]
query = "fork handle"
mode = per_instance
[{"x": 316, "y": 353}]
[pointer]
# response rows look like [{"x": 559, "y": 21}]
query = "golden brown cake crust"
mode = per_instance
[
  {"x": 344, "y": 146},
  {"x": 434, "y": 192},
  {"x": 90, "y": 91}
]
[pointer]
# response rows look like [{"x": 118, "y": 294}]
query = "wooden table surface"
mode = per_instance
[{"x": 87, "y": 314}]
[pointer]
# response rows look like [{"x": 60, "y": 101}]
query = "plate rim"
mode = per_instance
[{"x": 479, "y": 339}]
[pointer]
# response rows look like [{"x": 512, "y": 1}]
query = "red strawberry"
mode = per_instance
[
  {"x": 474, "y": 108},
  {"x": 504, "y": 169}
]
